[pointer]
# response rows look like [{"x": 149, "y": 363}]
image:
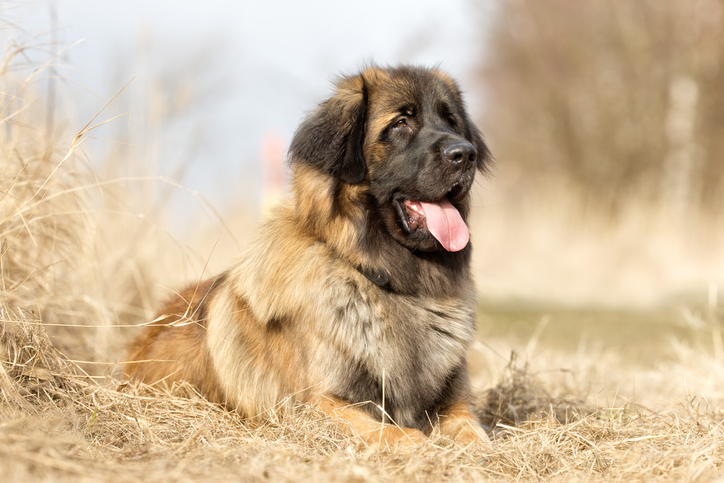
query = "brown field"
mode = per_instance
[{"x": 593, "y": 393}]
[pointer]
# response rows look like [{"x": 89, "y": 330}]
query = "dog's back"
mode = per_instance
[{"x": 173, "y": 347}]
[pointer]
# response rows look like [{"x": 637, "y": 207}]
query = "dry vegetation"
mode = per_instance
[
  {"x": 77, "y": 270},
  {"x": 616, "y": 102},
  {"x": 606, "y": 118}
]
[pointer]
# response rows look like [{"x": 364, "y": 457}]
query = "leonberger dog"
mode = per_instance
[{"x": 355, "y": 296}]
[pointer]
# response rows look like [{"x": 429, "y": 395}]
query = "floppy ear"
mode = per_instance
[
  {"x": 472, "y": 133},
  {"x": 485, "y": 159},
  {"x": 332, "y": 136}
]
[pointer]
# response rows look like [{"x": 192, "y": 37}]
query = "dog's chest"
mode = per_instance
[{"x": 405, "y": 347}]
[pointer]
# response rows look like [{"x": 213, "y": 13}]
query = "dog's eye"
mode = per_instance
[{"x": 401, "y": 122}]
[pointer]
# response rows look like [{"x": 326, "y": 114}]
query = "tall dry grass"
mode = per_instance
[
  {"x": 79, "y": 266},
  {"x": 81, "y": 245}
]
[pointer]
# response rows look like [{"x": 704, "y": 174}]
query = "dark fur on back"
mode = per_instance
[{"x": 344, "y": 291}]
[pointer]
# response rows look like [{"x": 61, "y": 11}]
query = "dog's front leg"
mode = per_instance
[
  {"x": 373, "y": 432},
  {"x": 458, "y": 423}
]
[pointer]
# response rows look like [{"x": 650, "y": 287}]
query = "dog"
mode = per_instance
[{"x": 356, "y": 295}]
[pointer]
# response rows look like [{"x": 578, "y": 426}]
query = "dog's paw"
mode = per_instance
[
  {"x": 472, "y": 433},
  {"x": 395, "y": 437}
]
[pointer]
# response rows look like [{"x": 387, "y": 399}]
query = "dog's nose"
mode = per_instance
[{"x": 461, "y": 154}]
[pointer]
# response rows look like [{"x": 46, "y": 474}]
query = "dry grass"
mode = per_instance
[
  {"x": 74, "y": 275},
  {"x": 61, "y": 425}
]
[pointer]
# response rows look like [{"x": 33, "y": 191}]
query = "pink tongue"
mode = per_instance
[{"x": 446, "y": 224}]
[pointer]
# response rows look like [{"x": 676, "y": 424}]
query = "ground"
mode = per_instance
[{"x": 572, "y": 411}]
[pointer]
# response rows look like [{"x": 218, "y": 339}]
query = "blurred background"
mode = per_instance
[
  {"x": 213, "y": 83},
  {"x": 606, "y": 120}
]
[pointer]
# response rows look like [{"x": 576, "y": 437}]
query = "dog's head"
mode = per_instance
[{"x": 404, "y": 136}]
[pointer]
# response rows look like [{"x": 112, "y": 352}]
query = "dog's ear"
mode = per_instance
[
  {"x": 332, "y": 136},
  {"x": 484, "y": 159},
  {"x": 472, "y": 133}
]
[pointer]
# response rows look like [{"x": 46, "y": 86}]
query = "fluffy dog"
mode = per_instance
[{"x": 356, "y": 294}]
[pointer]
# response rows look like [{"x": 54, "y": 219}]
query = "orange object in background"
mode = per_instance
[{"x": 272, "y": 157}]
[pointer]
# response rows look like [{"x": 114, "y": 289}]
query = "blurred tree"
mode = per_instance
[{"x": 614, "y": 100}]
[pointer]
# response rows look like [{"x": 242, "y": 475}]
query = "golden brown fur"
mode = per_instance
[{"x": 337, "y": 301}]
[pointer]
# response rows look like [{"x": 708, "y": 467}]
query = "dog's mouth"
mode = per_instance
[{"x": 438, "y": 218}]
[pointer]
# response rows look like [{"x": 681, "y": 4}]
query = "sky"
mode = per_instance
[{"x": 219, "y": 77}]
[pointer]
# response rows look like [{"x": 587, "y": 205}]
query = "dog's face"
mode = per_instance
[{"x": 404, "y": 134}]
